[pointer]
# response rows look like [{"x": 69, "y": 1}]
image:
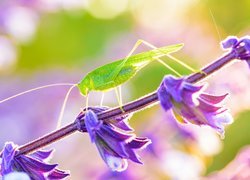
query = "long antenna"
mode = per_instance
[
  {"x": 34, "y": 89},
  {"x": 215, "y": 24}
]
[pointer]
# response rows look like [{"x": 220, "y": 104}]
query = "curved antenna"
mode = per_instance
[
  {"x": 215, "y": 24},
  {"x": 34, "y": 89},
  {"x": 59, "y": 121}
]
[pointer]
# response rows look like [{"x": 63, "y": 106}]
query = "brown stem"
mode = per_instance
[{"x": 47, "y": 139}]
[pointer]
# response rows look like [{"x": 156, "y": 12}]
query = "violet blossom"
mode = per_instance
[
  {"x": 114, "y": 138},
  {"x": 234, "y": 43},
  {"x": 190, "y": 104},
  {"x": 34, "y": 165}
]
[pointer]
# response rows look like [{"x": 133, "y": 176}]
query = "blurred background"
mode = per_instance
[{"x": 44, "y": 42}]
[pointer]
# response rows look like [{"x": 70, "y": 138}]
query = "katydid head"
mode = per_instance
[{"x": 84, "y": 86}]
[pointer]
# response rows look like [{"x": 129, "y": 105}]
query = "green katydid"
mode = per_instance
[{"x": 116, "y": 73}]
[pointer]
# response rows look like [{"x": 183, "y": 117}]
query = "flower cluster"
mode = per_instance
[
  {"x": 190, "y": 104},
  {"x": 34, "y": 165},
  {"x": 114, "y": 138},
  {"x": 235, "y": 44}
]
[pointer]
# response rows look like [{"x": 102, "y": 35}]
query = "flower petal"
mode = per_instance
[
  {"x": 229, "y": 42},
  {"x": 213, "y": 99},
  {"x": 116, "y": 164},
  {"x": 139, "y": 143},
  {"x": 8, "y": 154},
  {"x": 164, "y": 98},
  {"x": 207, "y": 107},
  {"x": 57, "y": 174},
  {"x": 41, "y": 154},
  {"x": 246, "y": 42},
  {"x": 92, "y": 124},
  {"x": 33, "y": 164},
  {"x": 124, "y": 126},
  {"x": 36, "y": 165}
]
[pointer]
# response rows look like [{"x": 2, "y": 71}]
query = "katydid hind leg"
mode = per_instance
[
  {"x": 168, "y": 67},
  {"x": 170, "y": 56},
  {"x": 117, "y": 70}
]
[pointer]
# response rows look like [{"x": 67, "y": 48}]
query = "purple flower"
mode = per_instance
[
  {"x": 34, "y": 165},
  {"x": 235, "y": 44},
  {"x": 189, "y": 104},
  {"x": 114, "y": 140}
]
